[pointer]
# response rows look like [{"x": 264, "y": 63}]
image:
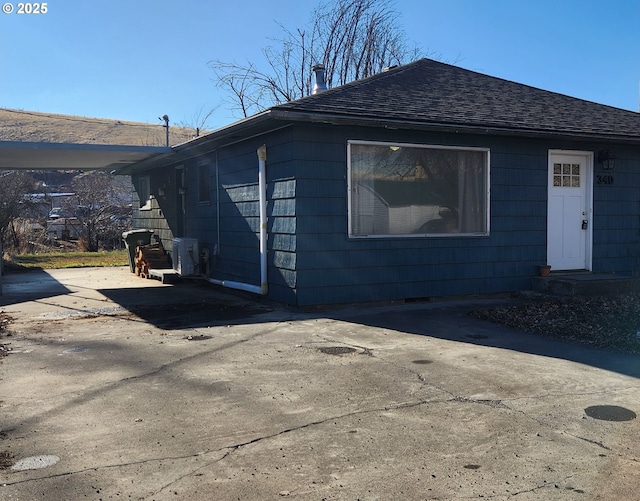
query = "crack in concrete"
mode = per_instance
[
  {"x": 110, "y": 466},
  {"x": 588, "y": 440},
  {"x": 606, "y": 392},
  {"x": 533, "y": 489},
  {"x": 546, "y": 485},
  {"x": 98, "y": 390},
  {"x": 563, "y": 432},
  {"x": 230, "y": 449},
  {"x": 560, "y": 432},
  {"x": 227, "y": 451},
  {"x": 496, "y": 404},
  {"x": 369, "y": 352},
  {"x": 236, "y": 447}
]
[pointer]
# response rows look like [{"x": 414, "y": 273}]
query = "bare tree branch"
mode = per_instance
[
  {"x": 353, "y": 39},
  {"x": 198, "y": 121},
  {"x": 102, "y": 204},
  {"x": 15, "y": 187}
]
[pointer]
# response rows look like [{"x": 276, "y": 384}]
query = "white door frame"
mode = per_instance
[{"x": 587, "y": 156}]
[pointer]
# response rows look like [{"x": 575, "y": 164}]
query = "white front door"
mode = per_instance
[{"x": 569, "y": 210}]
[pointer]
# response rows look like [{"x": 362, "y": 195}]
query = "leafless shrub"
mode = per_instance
[
  {"x": 102, "y": 204},
  {"x": 15, "y": 187}
]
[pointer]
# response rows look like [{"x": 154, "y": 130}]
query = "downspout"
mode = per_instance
[
  {"x": 262, "y": 187},
  {"x": 263, "y": 288},
  {"x": 217, "y": 247}
]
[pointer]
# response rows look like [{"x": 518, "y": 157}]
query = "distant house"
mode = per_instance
[
  {"x": 424, "y": 180},
  {"x": 64, "y": 228}
]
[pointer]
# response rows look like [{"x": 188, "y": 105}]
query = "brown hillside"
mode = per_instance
[{"x": 28, "y": 126}]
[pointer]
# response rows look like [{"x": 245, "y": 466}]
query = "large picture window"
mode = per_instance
[{"x": 413, "y": 190}]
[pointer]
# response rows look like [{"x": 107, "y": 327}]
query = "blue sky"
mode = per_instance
[{"x": 139, "y": 59}]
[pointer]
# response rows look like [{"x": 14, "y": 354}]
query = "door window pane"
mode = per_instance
[{"x": 566, "y": 175}]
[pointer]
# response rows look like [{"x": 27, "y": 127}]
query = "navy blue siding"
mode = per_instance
[
  {"x": 616, "y": 226},
  {"x": 239, "y": 214},
  {"x": 333, "y": 268},
  {"x": 161, "y": 215},
  {"x": 311, "y": 260}
]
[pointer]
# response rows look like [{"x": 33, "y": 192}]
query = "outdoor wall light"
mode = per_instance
[{"x": 607, "y": 159}]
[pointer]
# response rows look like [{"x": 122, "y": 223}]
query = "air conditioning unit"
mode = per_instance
[{"x": 186, "y": 256}]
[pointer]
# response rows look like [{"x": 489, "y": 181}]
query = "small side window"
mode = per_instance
[
  {"x": 204, "y": 183},
  {"x": 144, "y": 192}
]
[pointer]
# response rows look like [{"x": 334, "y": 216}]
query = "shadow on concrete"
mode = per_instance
[
  {"x": 76, "y": 293},
  {"x": 29, "y": 286},
  {"x": 452, "y": 321},
  {"x": 190, "y": 304},
  {"x": 184, "y": 306}
]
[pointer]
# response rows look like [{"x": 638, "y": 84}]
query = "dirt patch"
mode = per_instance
[
  {"x": 611, "y": 322},
  {"x": 4, "y": 322},
  {"x": 6, "y": 460},
  {"x": 201, "y": 337},
  {"x": 337, "y": 350}
]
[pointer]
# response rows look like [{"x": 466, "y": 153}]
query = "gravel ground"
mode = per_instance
[
  {"x": 4, "y": 321},
  {"x": 609, "y": 322}
]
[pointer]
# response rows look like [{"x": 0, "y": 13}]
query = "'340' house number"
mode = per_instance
[{"x": 606, "y": 179}]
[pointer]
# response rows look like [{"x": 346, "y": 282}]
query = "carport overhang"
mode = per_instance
[{"x": 17, "y": 155}]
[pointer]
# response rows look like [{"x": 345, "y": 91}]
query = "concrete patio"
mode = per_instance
[{"x": 122, "y": 388}]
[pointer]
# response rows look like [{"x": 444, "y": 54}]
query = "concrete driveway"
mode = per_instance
[{"x": 122, "y": 388}]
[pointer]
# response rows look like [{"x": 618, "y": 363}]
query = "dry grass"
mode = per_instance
[
  {"x": 27, "y": 126},
  {"x": 65, "y": 260}
]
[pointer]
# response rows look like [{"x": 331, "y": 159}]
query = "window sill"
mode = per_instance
[{"x": 419, "y": 235}]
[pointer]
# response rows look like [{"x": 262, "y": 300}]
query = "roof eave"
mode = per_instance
[
  {"x": 204, "y": 144},
  {"x": 488, "y": 129},
  {"x": 22, "y": 155},
  {"x": 275, "y": 118}
]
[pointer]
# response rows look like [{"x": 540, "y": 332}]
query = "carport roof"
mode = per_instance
[{"x": 16, "y": 155}]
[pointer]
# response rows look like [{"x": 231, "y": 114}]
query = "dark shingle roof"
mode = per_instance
[{"x": 437, "y": 94}]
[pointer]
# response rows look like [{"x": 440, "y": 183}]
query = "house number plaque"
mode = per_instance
[{"x": 604, "y": 179}]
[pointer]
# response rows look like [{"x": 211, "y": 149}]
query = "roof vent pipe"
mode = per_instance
[{"x": 319, "y": 84}]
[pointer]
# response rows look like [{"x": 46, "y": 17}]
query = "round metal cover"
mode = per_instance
[
  {"x": 337, "y": 350},
  {"x": 609, "y": 413}
]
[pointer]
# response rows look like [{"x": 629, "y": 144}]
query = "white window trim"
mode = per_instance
[{"x": 425, "y": 146}]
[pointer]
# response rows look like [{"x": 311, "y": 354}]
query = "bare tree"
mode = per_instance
[
  {"x": 15, "y": 187},
  {"x": 102, "y": 204},
  {"x": 353, "y": 39},
  {"x": 198, "y": 121}
]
